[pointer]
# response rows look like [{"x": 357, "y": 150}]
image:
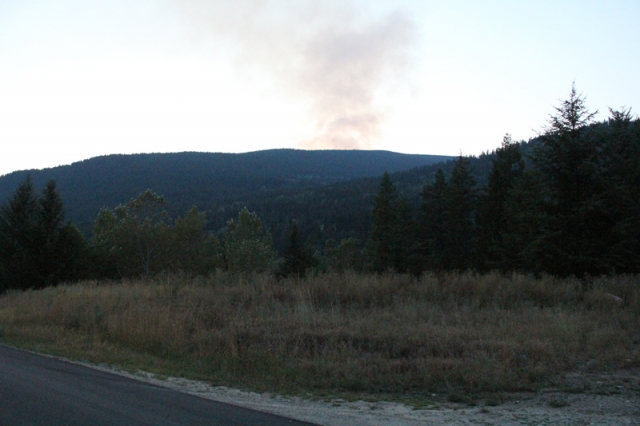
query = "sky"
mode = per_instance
[{"x": 79, "y": 79}]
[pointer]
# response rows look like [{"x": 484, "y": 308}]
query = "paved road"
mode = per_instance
[{"x": 38, "y": 390}]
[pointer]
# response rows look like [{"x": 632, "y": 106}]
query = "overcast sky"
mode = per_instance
[{"x": 83, "y": 78}]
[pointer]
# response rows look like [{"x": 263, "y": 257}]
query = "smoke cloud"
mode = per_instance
[{"x": 334, "y": 56}]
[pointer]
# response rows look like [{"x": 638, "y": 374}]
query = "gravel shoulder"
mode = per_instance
[{"x": 592, "y": 399}]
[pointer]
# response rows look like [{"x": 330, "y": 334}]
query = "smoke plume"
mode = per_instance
[{"x": 334, "y": 56}]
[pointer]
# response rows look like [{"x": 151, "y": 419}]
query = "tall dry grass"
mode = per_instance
[{"x": 339, "y": 333}]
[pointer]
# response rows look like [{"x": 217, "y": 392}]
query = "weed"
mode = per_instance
[
  {"x": 337, "y": 334},
  {"x": 558, "y": 402}
]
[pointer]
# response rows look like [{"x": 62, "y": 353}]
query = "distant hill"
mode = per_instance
[
  {"x": 342, "y": 209},
  {"x": 212, "y": 181}
]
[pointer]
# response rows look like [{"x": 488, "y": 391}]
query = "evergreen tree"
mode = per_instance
[
  {"x": 37, "y": 248},
  {"x": 619, "y": 202},
  {"x": 494, "y": 221},
  {"x": 431, "y": 238},
  {"x": 298, "y": 258},
  {"x": 568, "y": 162},
  {"x": 404, "y": 250},
  {"x": 384, "y": 247},
  {"x": 51, "y": 262},
  {"x": 19, "y": 239},
  {"x": 460, "y": 221}
]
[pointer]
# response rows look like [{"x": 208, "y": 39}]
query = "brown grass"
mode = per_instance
[{"x": 329, "y": 334}]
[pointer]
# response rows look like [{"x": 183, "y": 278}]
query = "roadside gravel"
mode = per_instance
[{"x": 595, "y": 399}]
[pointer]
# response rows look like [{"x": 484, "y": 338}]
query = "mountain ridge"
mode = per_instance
[{"x": 204, "y": 179}]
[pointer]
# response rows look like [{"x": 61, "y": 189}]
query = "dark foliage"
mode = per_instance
[
  {"x": 391, "y": 230},
  {"x": 37, "y": 249},
  {"x": 495, "y": 223},
  {"x": 565, "y": 203},
  {"x": 298, "y": 257},
  {"x": 219, "y": 184}
]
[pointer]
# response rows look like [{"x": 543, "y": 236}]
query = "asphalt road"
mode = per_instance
[{"x": 39, "y": 390}]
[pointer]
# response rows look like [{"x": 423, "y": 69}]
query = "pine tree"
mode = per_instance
[
  {"x": 50, "y": 261},
  {"x": 37, "y": 248},
  {"x": 568, "y": 162},
  {"x": 620, "y": 205},
  {"x": 19, "y": 238},
  {"x": 460, "y": 222},
  {"x": 383, "y": 243},
  {"x": 494, "y": 221},
  {"x": 431, "y": 238},
  {"x": 298, "y": 258},
  {"x": 404, "y": 249}
]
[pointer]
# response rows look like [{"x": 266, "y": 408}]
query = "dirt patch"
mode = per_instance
[{"x": 581, "y": 399}]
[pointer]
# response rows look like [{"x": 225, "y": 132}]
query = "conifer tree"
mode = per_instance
[
  {"x": 19, "y": 238},
  {"x": 50, "y": 260},
  {"x": 37, "y": 248},
  {"x": 620, "y": 205},
  {"x": 460, "y": 222},
  {"x": 494, "y": 221},
  {"x": 568, "y": 165},
  {"x": 298, "y": 257},
  {"x": 431, "y": 238},
  {"x": 383, "y": 243}
]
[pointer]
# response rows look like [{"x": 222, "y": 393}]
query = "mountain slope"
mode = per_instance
[{"x": 205, "y": 179}]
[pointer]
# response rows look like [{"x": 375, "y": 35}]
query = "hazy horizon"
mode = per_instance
[{"x": 82, "y": 80}]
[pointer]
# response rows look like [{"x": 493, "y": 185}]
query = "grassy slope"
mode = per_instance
[{"x": 333, "y": 334}]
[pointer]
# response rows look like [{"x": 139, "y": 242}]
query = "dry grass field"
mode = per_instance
[{"x": 340, "y": 334}]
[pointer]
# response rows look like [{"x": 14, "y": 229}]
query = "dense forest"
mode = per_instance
[
  {"x": 216, "y": 182},
  {"x": 566, "y": 203}
]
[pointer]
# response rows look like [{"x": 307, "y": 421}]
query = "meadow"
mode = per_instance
[{"x": 335, "y": 334}]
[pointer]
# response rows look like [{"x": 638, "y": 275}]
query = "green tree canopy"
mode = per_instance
[
  {"x": 140, "y": 239},
  {"x": 247, "y": 246}
]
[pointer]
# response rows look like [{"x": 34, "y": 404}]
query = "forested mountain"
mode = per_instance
[
  {"x": 343, "y": 209},
  {"x": 564, "y": 204},
  {"x": 215, "y": 182}
]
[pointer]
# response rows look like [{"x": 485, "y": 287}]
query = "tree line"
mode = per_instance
[
  {"x": 137, "y": 239},
  {"x": 570, "y": 206}
]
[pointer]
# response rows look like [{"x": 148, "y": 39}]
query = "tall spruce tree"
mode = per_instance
[
  {"x": 386, "y": 247},
  {"x": 19, "y": 238},
  {"x": 51, "y": 263},
  {"x": 298, "y": 257},
  {"x": 431, "y": 238},
  {"x": 494, "y": 219},
  {"x": 37, "y": 248},
  {"x": 460, "y": 222},
  {"x": 568, "y": 163},
  {"x": 619, "y": 202}
]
